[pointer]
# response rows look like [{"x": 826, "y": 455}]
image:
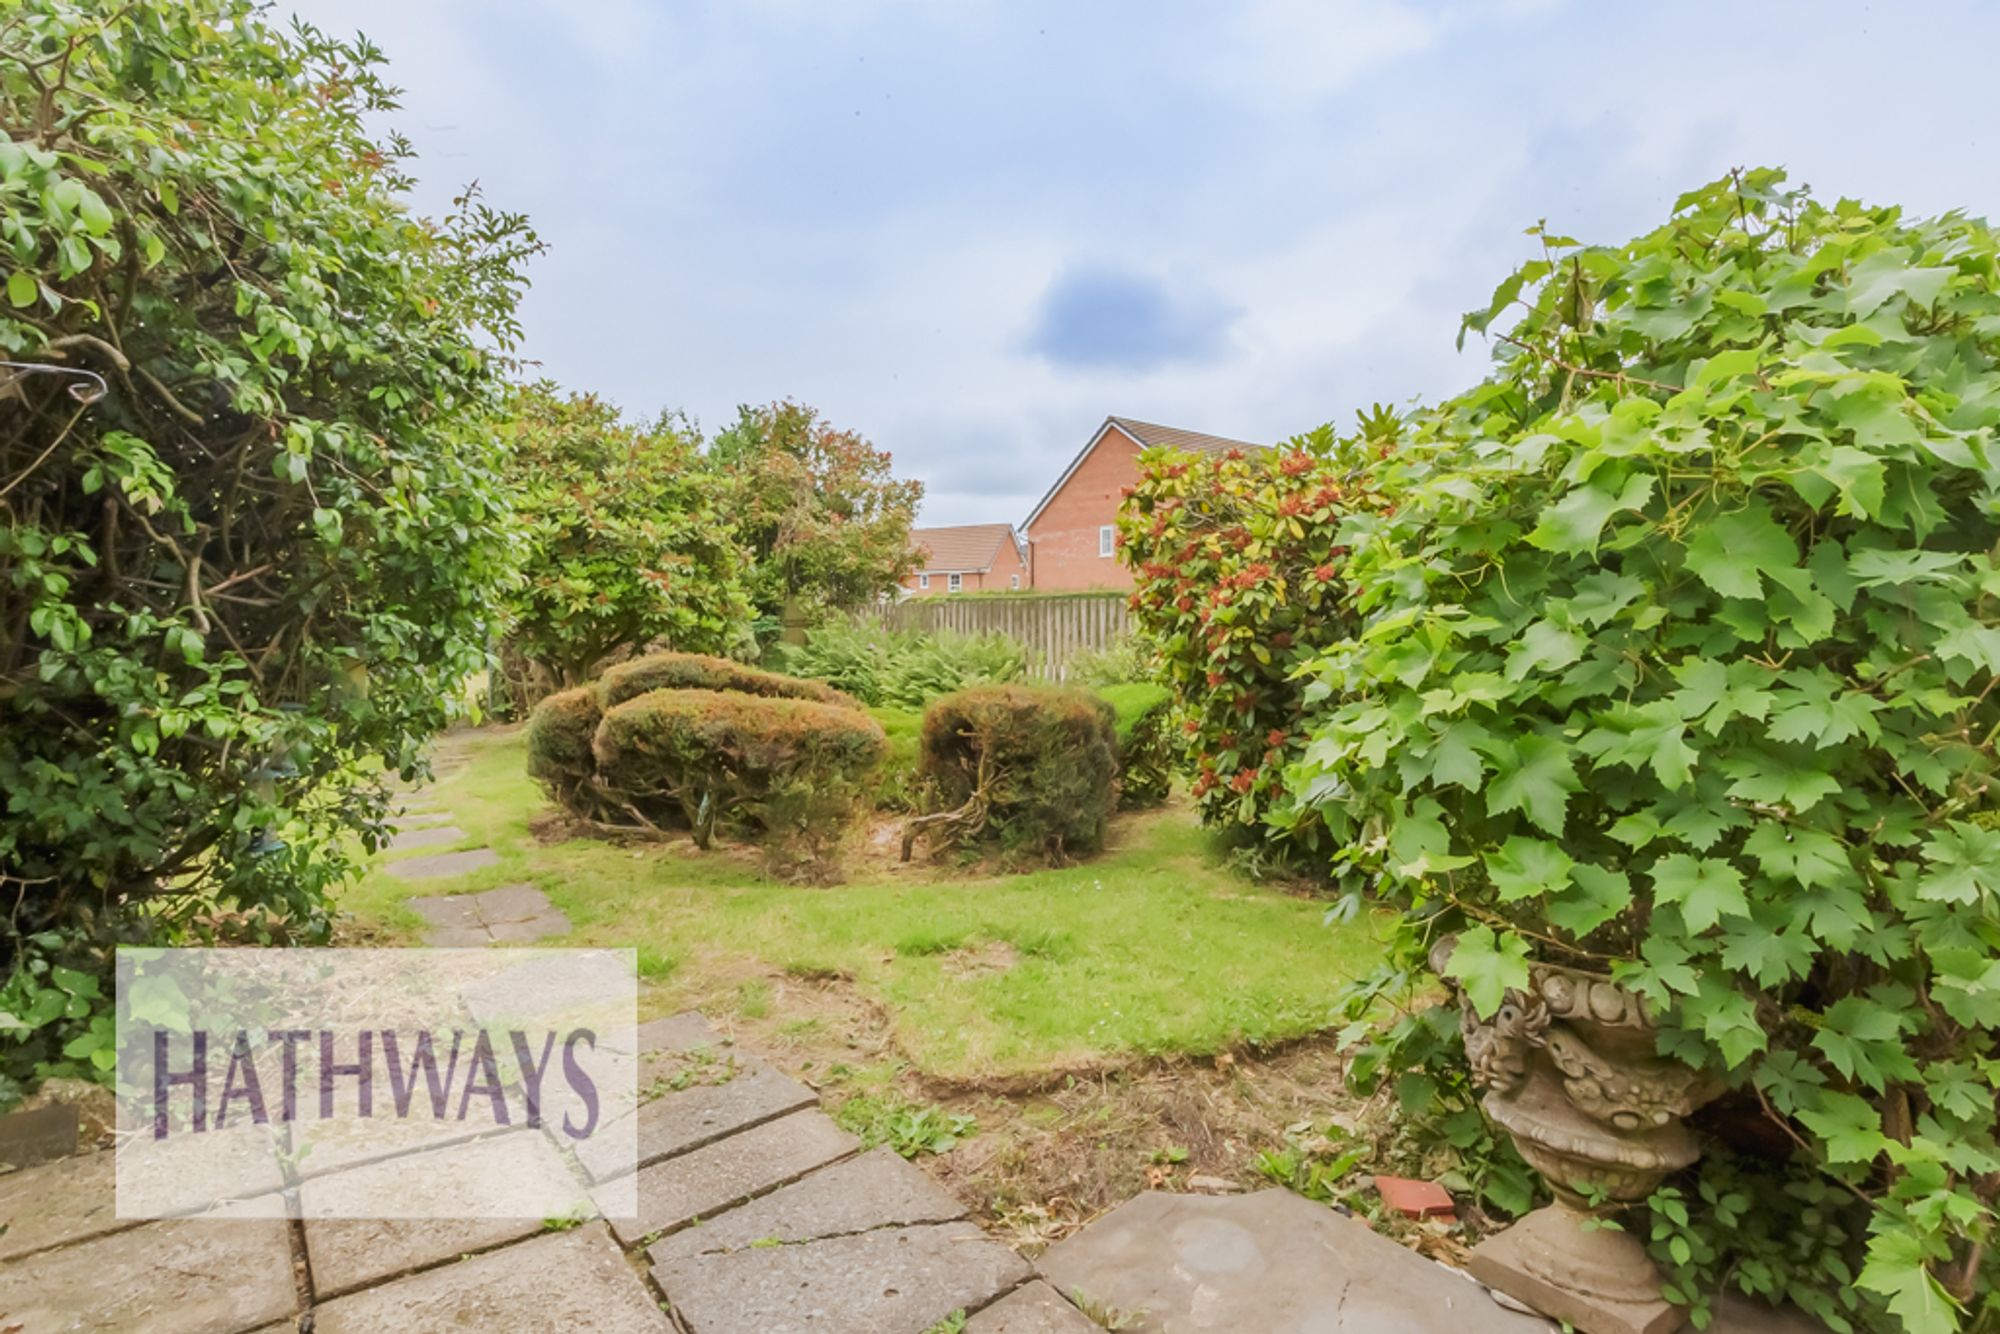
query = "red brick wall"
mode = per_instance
[
  {"x": 1006, "y": 562},
  {"x": 1063, "y": 541}
]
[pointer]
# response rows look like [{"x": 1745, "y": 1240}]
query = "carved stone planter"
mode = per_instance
[{"x": 1571, "y": 1075}]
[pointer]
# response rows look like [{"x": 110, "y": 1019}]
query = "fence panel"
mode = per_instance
[{"x": 1055, "y": 627}]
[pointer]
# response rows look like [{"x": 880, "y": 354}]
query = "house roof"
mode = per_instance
[
  {"x": 965, "y": 549},
  {"x": 1148, "y": 434}
]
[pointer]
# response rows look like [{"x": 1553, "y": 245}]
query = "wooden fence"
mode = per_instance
[{"x": 1055, "y": 626}]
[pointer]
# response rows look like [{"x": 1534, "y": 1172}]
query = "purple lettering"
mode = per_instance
[
  {"x": 196, "y": 1079},
  {"x": 242, "y": 1082},
  {"x": 580, "y": 1082}
]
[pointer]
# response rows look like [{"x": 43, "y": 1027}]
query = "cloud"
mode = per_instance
[{"x": 1102, "y": 317}]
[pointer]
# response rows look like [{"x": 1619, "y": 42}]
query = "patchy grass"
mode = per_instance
[{"x": 1154, "y": 949}]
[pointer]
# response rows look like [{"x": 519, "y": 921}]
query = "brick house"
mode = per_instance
[
  {"x": 1069, "y": 535},
  {"x": 970, "y": 558}
]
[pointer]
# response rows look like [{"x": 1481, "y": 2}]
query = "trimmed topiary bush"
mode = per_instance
[
  {"x": 694, "y": 671},
  {"x": 1142, "y": 723},
  {"x": 794, "y": 774},
  {"x": 1034, "y": 767},
  {"x": 559, "y": 756}
]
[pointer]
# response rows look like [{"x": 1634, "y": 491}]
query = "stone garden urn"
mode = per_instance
[{"x": 1570, "y": 1072}]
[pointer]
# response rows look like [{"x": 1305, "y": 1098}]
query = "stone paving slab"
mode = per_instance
[
  {"x": 511, "y": 914},
  {"x": 437, "y": 865},
  {"x": 60, "y": 1202},
  {"x": 436, "y": 836},
  {"x": 876, "y": 1190},
  {"x": 1200, "y": 1264},
  {"x": 179, "y": 1277},
  {"x": 1035, "y": 1308},
  {"x": 708, "y": 1180},
  {"x": 353, "y": 1250},
  {"x": 901, "y": 1280},
  {"x": 575, "y": 1281},
  {"x": 710, "y": 1093},
  {"x": 412, "y": 818}
]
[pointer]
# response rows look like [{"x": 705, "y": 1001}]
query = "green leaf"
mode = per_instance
[
  {"x": 1652, "y": 736},
  {"x": 1896, "y": 1269},
  {"x": 1536, "y": 778},
  {"x": 1731, "y": 550},
  {"x": 1859, "y": 476},
  {"x": 1524, "y": 867},
  {"x": 96, "y": 216},
  {"x": 1964, "y": 864},
  {"x": 1712, "y": 692},
  {"x": 1595, "y": 896},
  {"x": 1705, "y": 888},
  {"x": 22, "y": 289},
  {"x": 1487, "y": 966},
  {"x": 1573, "y": 523},
  {"x": 1887, "y": 274},
  {"x": 1849, "y": 1127}
]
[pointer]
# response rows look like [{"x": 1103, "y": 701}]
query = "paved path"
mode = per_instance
[
  {"x": 758, "y": 1215},
  {"x": 510, "y": 915}
]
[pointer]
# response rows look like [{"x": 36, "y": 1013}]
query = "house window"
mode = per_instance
[
  {"x": 1013, "y": 581},
  {"x": 923, "y": 581},
  {"x": 1107, "y": 539},
  {"x": 952, "y": 582}
]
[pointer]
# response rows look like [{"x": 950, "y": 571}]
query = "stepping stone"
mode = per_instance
[
  {"x": 60, "y": 1202},
  {"x": 511, "y": 914},
  {"x": 434, "y": 837},
  {"x": 188, "y": 1276},
  {"x": 415, "y": 819},
  {"x": 440, "y": 864},
  {"x": 1196, "y": 1264},
  {"x": 489, "y": 1176},
  {"x": 1032, "y": 1308},
  {"x": 875, "y": 1190},
  {"x": 899, "y": 1280},
  {"x": 575, "y": 1280},
  {"x": 708, "y": 1180},
  {"x": 700, "y": 1089}
]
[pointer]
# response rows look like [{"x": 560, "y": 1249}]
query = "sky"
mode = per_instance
[{"x": 972, "y": 229}]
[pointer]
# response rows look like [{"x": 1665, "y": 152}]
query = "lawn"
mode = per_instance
[{"x": 1157, "y": 947}]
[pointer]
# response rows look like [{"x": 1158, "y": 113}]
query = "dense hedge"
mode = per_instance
[
  {"x": 243, "y": 573},
  {"x": 1045, "y": 758},
  {"x": 1143, "y": 724},
  {"x": 793, "y": 773},
  {"x": 694, "y": 671}
]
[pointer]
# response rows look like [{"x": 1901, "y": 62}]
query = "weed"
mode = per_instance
[{"x": 907, "y": 1127}]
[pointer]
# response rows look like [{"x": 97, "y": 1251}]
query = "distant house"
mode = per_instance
[
  {"x": 1069, "y": 535},
  {"x": 973, "y": 557}
]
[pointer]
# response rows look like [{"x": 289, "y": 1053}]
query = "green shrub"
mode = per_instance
[
  {"x": 694, "y": 671},
  {"x": 1044, "y": 758},
  {"x": 243, "y": 576},
  {"x": 793, "y": 774},
  {"x": 1146, "y": 748},
  {"x": 560, "y": 732},
  {"x": 1126, "y": 660},
  {"x": 1680, "y": 658},
  {"x": 905, "y": 668}
]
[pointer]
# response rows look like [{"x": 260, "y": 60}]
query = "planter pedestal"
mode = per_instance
[
  {"x": 1571, "y": 1075},
  {"x": 1551, "y": 1262}
]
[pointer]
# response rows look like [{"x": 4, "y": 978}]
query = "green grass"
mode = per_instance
[{"x": 1156, "y": 947}]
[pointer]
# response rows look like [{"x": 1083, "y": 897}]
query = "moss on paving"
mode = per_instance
[{"x": 1155, "y": 947}]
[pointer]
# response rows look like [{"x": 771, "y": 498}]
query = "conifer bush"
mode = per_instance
[
  {"x": 559, "y": 755},
  {"x": 1042, "y": 760},
  {"x": 793, "y": 774}
]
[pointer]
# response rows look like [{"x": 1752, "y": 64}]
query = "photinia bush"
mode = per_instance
[
  {"x": 1241, "y": 579},
  {"x": 1677, "y": 660}
]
